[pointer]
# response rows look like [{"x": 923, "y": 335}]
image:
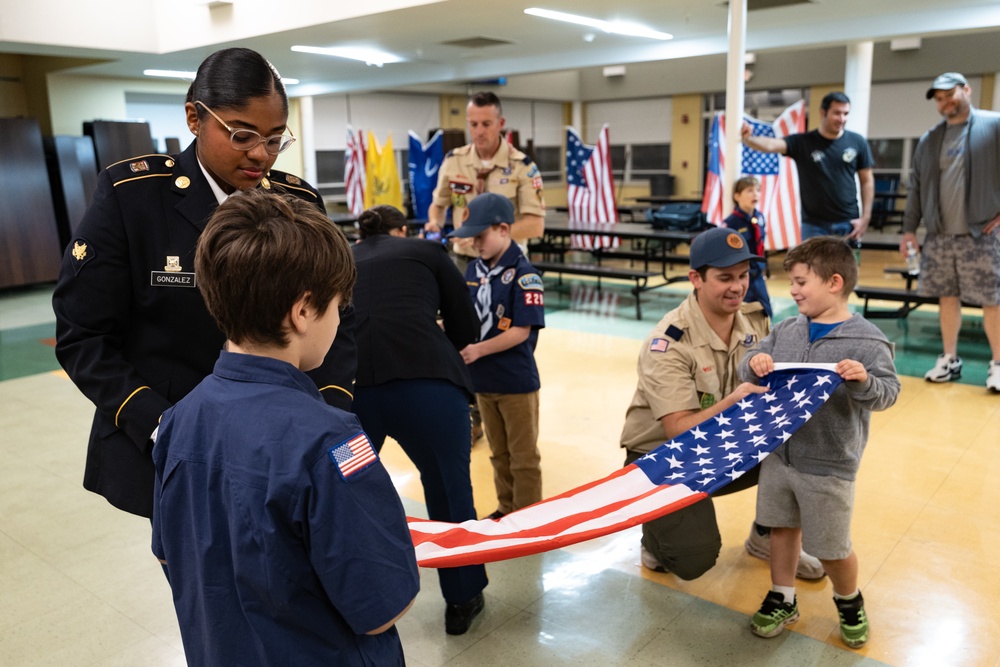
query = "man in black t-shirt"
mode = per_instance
[{"x": 827, "y": 160}]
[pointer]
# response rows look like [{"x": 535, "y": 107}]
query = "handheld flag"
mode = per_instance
[
  {"x": 677, "y": 474},
  {"x": 424, "y": 162},
  {"x": 779, "y": 180}
]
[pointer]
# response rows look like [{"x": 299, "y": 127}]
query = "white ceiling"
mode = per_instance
[{"x": 417, "y": 33}]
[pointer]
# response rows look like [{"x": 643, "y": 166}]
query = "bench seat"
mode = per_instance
[
  {"x": 910, "y": 299},
  {"x": 599, "y": 271}
]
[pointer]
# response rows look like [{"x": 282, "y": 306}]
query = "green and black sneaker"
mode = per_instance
[
  {"x": 854, "y": 626},
  {"x": 774, "y": 614}
]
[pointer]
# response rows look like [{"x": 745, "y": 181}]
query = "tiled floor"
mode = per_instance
[{"x": 78, "y": 585}]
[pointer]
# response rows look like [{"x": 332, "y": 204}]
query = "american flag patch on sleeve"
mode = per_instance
[
  {"x": 659, "y": 345},
  {"x": 353, "y": 455}
]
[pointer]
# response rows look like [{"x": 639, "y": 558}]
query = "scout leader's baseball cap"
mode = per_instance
[
  {"x": 946, "y": 81},
  {"x": 485, "y": 210},
  {"x": 719, "y": 248}
]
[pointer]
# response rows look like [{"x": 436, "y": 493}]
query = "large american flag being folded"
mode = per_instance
[{"x": 676, "y": 474}]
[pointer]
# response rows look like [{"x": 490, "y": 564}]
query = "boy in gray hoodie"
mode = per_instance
[{"x": 806, "y": 489}]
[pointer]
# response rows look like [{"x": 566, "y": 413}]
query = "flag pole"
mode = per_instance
[{"x": 735, "y": 68}]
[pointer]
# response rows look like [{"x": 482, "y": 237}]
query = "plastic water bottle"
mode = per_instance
[
  {"x": 856, "y": 244},
  {"x": 912, "y": 259}
]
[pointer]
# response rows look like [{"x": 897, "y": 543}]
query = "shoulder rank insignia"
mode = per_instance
[
  {"x": 139, "y": 166},
  {"x": 292, "y": 180},
  {"x": 674, "y": 332},
  {"x": 82, "y": 252}
]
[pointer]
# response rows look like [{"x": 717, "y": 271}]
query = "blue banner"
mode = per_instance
[{"x": 425, "y": 160}]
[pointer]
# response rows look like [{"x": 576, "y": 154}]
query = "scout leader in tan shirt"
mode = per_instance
[
  {"x": 488, "y": 164},
  {"x": 687, "y": 374}
]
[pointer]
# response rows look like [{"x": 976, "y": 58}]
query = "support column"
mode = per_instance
[
  {"x": 735, "y": 68},
  {"x": 858, "y": 85},
  {"x": 307, "y": 138}
]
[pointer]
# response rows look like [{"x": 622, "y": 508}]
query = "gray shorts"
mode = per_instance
[
  {"x": 821, "y": 505},
  {"x": 962, "y": 266}
]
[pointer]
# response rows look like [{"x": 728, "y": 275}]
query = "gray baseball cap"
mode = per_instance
[{"x": 946, "y": 81}]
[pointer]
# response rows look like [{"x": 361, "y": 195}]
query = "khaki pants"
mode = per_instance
[{"x": 511, "y": 425}]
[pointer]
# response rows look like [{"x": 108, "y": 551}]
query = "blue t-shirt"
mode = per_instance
[
  {"x": 817, "y": 329},
  {"x": 284, "y": 538},
  {"x": 517, "y": 298}
]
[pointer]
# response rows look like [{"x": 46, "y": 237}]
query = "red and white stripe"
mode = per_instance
[
  {"x": 782, "y": 195},
  {"x": 623, "y": 499},
  {"x": 354, "y": 172},
  {"x": 595, "y": 202},
  {"x": 362, "y": 454}
]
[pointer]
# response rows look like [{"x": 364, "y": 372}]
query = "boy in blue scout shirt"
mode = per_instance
[
  {"x": 281, "y": 532},
  {"x": 509, "y": 299},
  {"x": 749, "y": 222}
]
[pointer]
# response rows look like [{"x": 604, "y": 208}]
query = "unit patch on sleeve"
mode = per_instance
[{"x": 531, "y": 281}]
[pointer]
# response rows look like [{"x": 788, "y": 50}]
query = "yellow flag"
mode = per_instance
[{"x": 383, "y": 186}]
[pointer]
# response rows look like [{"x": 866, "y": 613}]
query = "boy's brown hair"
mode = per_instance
[
  {"x": 260, "y": 253},
  {"x": 826, "y": 256},
  {"x": 744, "y": 183}
]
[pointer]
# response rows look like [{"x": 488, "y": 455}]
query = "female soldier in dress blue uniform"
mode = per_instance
[{"x": 132, "y": 330}]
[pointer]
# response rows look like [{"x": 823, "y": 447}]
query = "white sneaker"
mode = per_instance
[
  {"x": 993, "y": 378},
  {"x": 649, "y": 561},
  {"x": 946, "y": 369},
  {"x": 760, "y": 546}
]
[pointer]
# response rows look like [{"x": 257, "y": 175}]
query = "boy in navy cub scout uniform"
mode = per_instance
[
  {"x": 281, "y": 532},
  {"x": 749, "y": 222},
  {"x": 509, "y": 299}
]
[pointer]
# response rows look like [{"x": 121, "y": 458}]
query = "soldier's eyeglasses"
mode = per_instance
[{"x": 245, "y": 140}]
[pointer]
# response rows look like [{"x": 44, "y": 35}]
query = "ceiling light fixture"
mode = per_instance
[
  {"x": 169, "y": 73},
  {"x": 365, "y": 55},
  {"x": 189, "y": 76},
  {"x": 614, "y": 27}
]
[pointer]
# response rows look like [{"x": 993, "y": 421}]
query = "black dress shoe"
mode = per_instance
[
  {"x": 497, "y": 515},
  {"x": 458, "y": 617}
]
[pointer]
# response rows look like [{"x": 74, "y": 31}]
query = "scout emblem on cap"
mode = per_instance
[
  {"x": 79, "y": 251},
  {"x": 173, "y": 264},
  {"x": 734, "y": 241},
  {"x": 182, "y": 182},
  {"x": 141, "y": 165}
]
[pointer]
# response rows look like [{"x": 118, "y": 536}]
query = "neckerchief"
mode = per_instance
[{"x": 484, "y": 295}]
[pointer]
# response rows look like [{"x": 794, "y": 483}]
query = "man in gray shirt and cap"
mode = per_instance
[{"x": 955, "y": 190}]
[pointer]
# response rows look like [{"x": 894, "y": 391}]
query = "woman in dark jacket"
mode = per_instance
[
  {"x": 412, "y": 384},
  {"x": 132, "y": 330}
]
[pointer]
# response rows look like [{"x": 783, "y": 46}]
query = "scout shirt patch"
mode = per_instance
[
  {"x": 82, "y": 252},
  {"x": 353, "y": 455},
  {"x": 749, "y": 340},
  {"x": 707, "y": 400},
  {"x": 173, "y": 275},
  {"x": 503, "y": 324},
  {"x": 530, "y": 281},
  {"x": 508, "y": 276},
  {"x": 659, "y": 345}
]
